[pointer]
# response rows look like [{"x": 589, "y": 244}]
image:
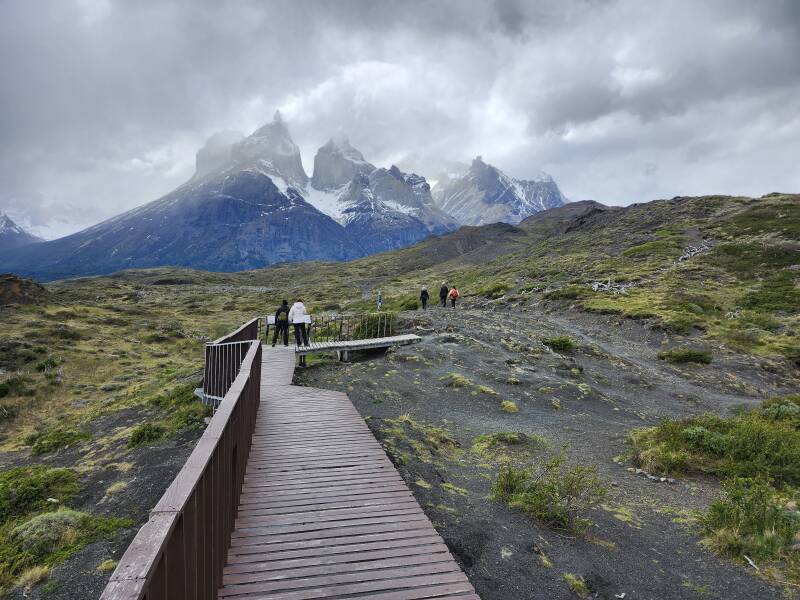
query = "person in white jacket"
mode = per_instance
[{"x": 299, "y": 310}]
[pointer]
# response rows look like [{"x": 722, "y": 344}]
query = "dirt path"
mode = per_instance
[{"x": 643, "y": 543}]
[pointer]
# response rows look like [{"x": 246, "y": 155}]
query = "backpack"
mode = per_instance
[{"x": 283, "y": 316}]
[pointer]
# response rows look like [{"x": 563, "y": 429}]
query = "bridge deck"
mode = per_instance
[
  {"x": 323, "y": 512},
  {"x": 346, "y": 346}
]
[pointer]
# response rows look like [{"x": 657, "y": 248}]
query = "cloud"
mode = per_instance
[{"x": 104, "y": 102}]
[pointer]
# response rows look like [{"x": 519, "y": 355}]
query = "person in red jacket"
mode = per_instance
[{"x": 453, "y": 295}]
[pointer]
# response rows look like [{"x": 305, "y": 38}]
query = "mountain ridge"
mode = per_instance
[{"x": 250, "y": 204}]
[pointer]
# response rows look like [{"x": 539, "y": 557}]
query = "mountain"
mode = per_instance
[
  {"x": 14, "y": 236},
  {"x": 484, "y": 194},
  {"x": 251, "y": 204},
  {"x": 244, "y": 213},
  {"x": 336, "y": 163},
  {"x": 383, "y": 209}
]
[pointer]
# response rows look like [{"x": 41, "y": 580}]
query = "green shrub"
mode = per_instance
[
  {"x": 568, "y": 292},
  {"x": 750, "y": 519},
  {"x": 776, "y": 293},
  {"x": 551, "y": 492},
  {"x": 577, "y": 585},
  {"x": 686, "y": 355},
  {"x": 183, "y": 407},
  {"x": 752, "y": 259},
  {"x": 495, "y": 290},
  {"x": 47, "y": 532},
  {"x": 763, "y": 441},
  {"x": 155, "y": 338},
  {"x": 560, "y": 343},
  {"x": 47, "y": 364},
  {"x": 144, "y": 434},
  {"x": 65, "y": 332},
  {"x": 712, "y": 442},
  {"x": 663, "y": 248},
  {"x": 51, "y": 440},
  {"x": 409, "y": 304},
  {"x": 49, "y": 538},
  {"x": 456, "y": 380},
  {"x": 19, "y": 385},
  {"x": 24, "y": 490},
  {"x": 8, "y": 412}
]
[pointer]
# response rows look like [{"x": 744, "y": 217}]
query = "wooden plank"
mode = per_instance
[{"x": 323, "y": 513}]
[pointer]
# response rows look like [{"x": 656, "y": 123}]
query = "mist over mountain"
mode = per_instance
[{"x": 250, "y": 204}]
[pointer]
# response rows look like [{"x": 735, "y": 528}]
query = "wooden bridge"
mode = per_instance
[{"x": 287, "y": 496}]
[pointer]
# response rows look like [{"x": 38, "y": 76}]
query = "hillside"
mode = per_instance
[{"x": 558, "y": 338}]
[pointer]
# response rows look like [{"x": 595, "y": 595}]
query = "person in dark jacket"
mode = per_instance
[
  {"x": 443, "y": 293},
  {"x": 423, "y": 298},
  {"x": 281, "y": 324}
]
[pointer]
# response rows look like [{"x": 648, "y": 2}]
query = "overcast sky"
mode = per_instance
[{"x": 103, "y": 103}]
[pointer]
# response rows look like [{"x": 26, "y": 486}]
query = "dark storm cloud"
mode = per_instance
[{"x": 103, "y": 102}]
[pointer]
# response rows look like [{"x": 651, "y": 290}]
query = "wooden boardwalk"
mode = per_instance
[
  {"x": 351, "y": 345},
  {"x": 323, "y": 512}
]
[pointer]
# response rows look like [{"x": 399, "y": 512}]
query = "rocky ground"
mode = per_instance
[{"x": 644, "y": 543}]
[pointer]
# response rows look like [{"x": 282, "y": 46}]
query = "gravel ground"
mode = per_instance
[{"x": 643, "y": 544}]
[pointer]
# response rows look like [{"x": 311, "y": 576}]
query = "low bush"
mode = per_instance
[
  {"x": 777, "y": 293},
  {"x": 686, "y": 355},
  {"x": 495, "y": 290},
  {"x": 54, "y": 439},
  {"x": 19, "y": 385},
  {"x": 551, "y": 492},
  {"x": 144, "y": 434},
  {"x": 763, "y": 441},
  {"x": 49, "y": 538},
  {"x": 455, "y": 380},
  {"x": 664, "y": 248},
  {"x": 65, "y": 332},
  {"x": 749, "y": 519},
  {"x": 408, "y": 304},
  {"x": 568, "y": 292},
  {"x": 47, "y": 365},
  {"x": 489, "y": 443},
  {"x": 183, "y": 407},
  {"x": 509, "y": 406},
  {"x": 561, "y": 343},
  {"x": 24, "y": 490}
]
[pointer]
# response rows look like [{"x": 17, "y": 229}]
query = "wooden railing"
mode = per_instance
[
  {"x": 346, "y": 327},
  {"x": 224, "y": 357},
  {"x": 180, "y": 551}
]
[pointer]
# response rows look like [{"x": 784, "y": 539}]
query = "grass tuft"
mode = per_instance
[
  {"x": 561, "y": 343},
  {"x": 551, "y": 492},
  {"x": 686, "y": 355}
]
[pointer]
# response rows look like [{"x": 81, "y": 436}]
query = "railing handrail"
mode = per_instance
[
  {"x": 239, "y": 335},
  {"x": 180, "y": 551}
]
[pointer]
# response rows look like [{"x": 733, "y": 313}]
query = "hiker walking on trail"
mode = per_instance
[
  {"x": 380, "y": 300},
  {"x": 281, "y": 324},
  {"x": 453, "y": 295},
  {"x": 443, "y": 293},
  {"x": 423, "y": 298}
]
